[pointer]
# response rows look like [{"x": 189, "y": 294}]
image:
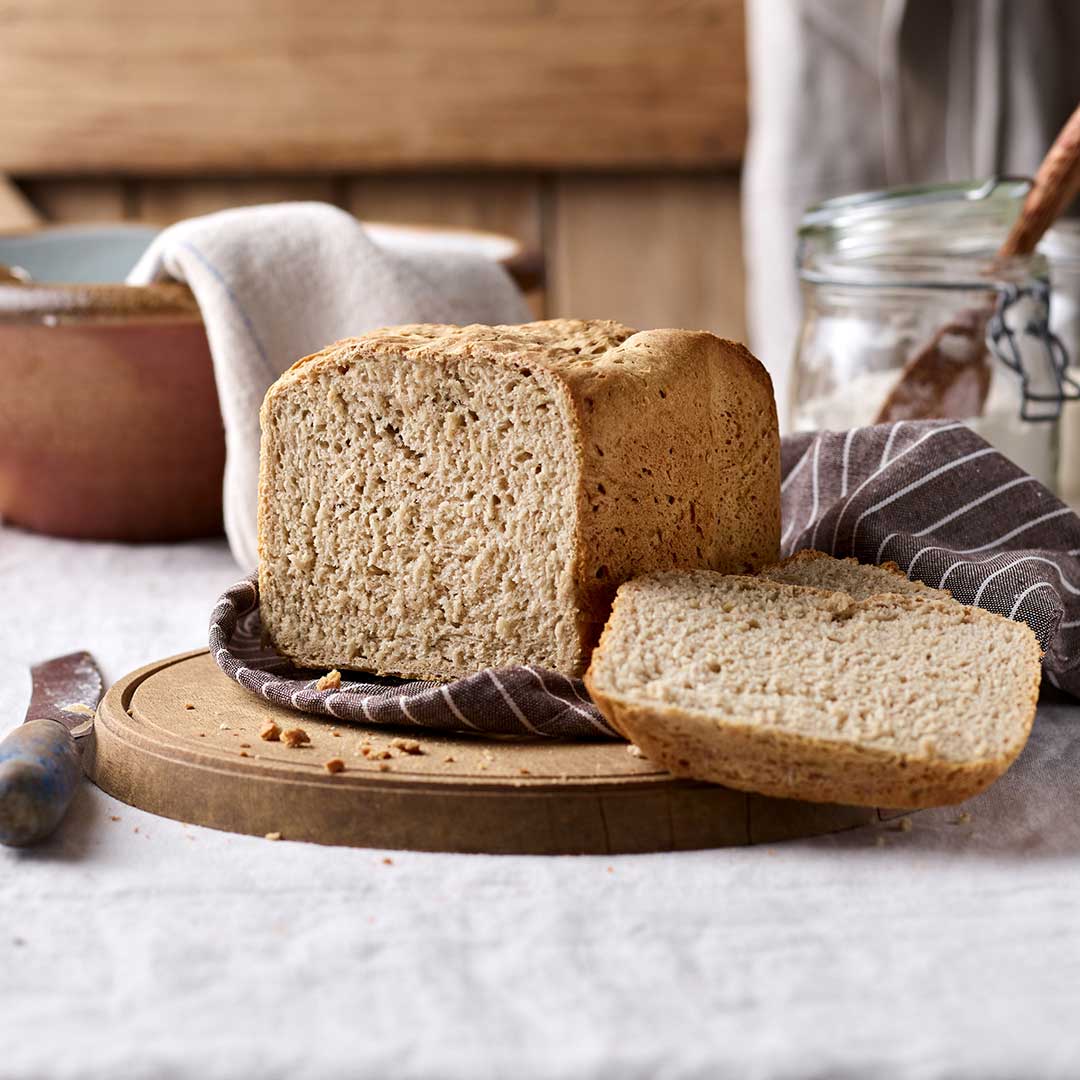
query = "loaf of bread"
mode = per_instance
[
  {"x": 435, "y": 500},
  {"x": 893, "y": 700}
]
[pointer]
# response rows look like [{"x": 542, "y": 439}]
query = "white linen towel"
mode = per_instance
[{"x": 275, "y": 283}]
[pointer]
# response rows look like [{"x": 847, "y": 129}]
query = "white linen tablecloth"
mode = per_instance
[{"x": 952, "y": 950}]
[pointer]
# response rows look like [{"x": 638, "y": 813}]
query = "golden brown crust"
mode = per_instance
[
  {"x": 772, "y": 761},
  {"x": 789, "y": 766},
  {"x": 697, "y": 485}
]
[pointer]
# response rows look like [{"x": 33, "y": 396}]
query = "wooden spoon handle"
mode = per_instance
[{"x": 1056, "y": 183}]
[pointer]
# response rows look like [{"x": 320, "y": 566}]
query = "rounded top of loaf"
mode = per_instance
[{"x": 570, "y": 346}]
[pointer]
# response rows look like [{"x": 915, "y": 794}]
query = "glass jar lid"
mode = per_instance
[{"x": 926, "y": 236}]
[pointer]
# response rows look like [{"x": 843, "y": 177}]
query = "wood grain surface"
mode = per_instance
[
  {"x": 178, "y": 738},
  {"x": 257, "y": 86},
  {"x": 650, "y": 251}
]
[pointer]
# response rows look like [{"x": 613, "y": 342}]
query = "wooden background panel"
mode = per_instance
[
  {"x": 165, "y": 201},
  {"x": 503, "y": 203},
  {"x": 498, "y": 203},
  {"x": 650, "y": 251},
  {"x": 266, "y": 85},
  {"x": 84, "y": 199}
]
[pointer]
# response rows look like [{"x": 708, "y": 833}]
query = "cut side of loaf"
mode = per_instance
[
  {"x": 819, "y": 570},
  {"x": 435, "y": 500},
  {"x": 899, "y": 701}
]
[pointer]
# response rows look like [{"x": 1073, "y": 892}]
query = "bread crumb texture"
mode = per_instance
[
  {"x": 898, "y": 699},
  {"x": 330, "y": 681},
  {"x": 435, "y": 500},
  {"x": 295, "y": 738}
]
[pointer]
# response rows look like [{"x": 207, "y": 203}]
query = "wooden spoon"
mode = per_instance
[{"x": 950, "y": 375}]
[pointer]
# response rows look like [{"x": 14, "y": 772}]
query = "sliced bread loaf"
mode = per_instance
[
  {"x": 434, "y": 500},
  {"x": 895, "y": 700},
  {"x": 859, "y": 580}
]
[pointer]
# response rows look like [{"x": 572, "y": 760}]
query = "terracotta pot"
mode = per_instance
[{"x": 109, "y": 420}]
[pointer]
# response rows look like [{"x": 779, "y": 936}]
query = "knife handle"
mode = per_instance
[{"x": 39, "y": 775}]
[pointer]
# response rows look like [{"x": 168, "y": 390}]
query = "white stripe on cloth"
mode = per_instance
[
  {"x": 794, "y": 470},
  {"x": 916, "y": 484},
  {"x": 968, "y": 551},
  {"x": 573, "y": 687},
  {"x": 1018, "y": 530},
  {"x": 814, "y": 505},
  {"x": 847, "y": 454},
  {"x": 518, "y": 714},
  {"x": 877, "y": 472},
  {"x": 888, "y": 444},
  {"x": 1066, "y": 584},
  {"x": 975, "y": 502},
  {"x": 555, "y": 697},
  {"x": 1030, "y": 589},
  {"x": 847, "y": 448},
  {"x": 452, "y": 706}
]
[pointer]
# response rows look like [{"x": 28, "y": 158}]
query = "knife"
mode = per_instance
[{"x": 41, "y": 761}]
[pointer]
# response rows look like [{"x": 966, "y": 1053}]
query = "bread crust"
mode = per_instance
[
  {"x": 698, "y": 485},
  {"x": 769, "y": 760}
]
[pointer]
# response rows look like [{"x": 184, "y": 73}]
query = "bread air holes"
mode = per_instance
[{"x": 601, "y": 572}]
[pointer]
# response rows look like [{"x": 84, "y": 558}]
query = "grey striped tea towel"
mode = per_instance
[{"x": 931, "y": 496}]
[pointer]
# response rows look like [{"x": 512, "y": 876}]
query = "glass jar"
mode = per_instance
[
  {"x": 1061, "y": 247},
  {"x": 883, "y": 272}
]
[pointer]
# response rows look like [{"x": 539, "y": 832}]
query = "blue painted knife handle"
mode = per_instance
[{"x": 39, "y": 775}]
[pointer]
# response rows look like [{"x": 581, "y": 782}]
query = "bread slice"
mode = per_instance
[
  {"x": 435, "y": 500},
  {"x": 819, "y": 570},
  {"x": 898, "y": 701}
]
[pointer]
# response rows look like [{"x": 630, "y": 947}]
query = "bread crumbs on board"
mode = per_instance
[{"x": 295, "y": 737}]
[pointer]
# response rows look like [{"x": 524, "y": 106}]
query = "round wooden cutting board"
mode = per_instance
[{"x": 180, "y": 739}]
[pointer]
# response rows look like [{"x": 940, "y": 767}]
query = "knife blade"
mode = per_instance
[{"x": 40, "y": 762}]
